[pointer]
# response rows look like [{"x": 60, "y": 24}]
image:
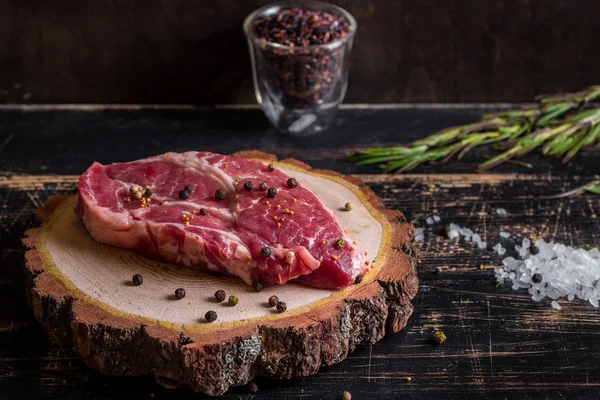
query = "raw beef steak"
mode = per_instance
[{"x": 219, "y": 222}]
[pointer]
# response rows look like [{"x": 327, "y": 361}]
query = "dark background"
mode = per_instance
[{"x": 194, "y": 52}]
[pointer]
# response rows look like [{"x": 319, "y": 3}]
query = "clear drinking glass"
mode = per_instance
[{"x": 300, "y": 88}]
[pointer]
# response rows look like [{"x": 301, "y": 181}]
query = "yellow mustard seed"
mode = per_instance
[
  {"x": 275, "y": 217},
  {"x": 279, "y": 224},
  {"x": 278, "y": 206},
  {"x": 334, "y": 257},
  {"x": 294, "y": 199}
]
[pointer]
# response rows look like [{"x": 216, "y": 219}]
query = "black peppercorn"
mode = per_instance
[
  {"x": 220, "y": 295},
  {"x": 273, "y": 300},
  {"x": 184, "y": 194},
  {"x": 536, "y": 278},
  {"x": 340, "y": 243},
  {"x": 137, "y": 279},
  {"x": 358, "y": 279},
  {"x": 147, "y": 192},
  {"x": 258, "y": 286},
  {"x": 281, "y": 306},
  {"x": 180, "y": 293},
  {"x": 534, "y": 250},
  {"x": 211, "y": 316},
  {"x": 265, "y": 251},
  {"x": 203, "y": 211},
  {"x": 272, "y": 192},
  {"x": 248, "y": 186},
  {"x": 292, "y": 183},
  {"x": 220, "y": 194},
  {"x": 263, "y": 186},
  {"x": 271, "y": 167},
  {"x": 252, "y": 388}
]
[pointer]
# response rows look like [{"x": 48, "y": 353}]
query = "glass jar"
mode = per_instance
[{"x": 299, "y": 88}]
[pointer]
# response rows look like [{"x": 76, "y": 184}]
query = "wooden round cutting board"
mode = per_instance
[{"x": 81, "y": 292}]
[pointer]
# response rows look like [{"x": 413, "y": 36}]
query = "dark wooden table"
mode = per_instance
[{"x": 500, "y": 344}]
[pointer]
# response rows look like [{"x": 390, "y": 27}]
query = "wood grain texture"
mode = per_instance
[
  {"x": 501, "y": 345},
  {"x": 210, "y": 359},
  {"x": 195, "y": 52}
]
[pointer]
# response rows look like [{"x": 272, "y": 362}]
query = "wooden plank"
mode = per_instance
[
  {"x": 195, "y": 53},
  {"x": 500, "y": 343}
]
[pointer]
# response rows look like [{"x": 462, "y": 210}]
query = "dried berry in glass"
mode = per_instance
[{"x": 299, "y": 54}]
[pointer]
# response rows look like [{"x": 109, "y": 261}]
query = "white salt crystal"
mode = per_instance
[
  {"x": 501, "y": 251},
  {"x": 555, "y": 305},
  {"x": 501, "y": 211},
  {"x": 476, "y": 238},
  {"x": 429, "y": 220},
  {"x": 482, "y": 245},
  {"x": 437, "y": 218},
  {"x": 566, "y": 272},
  {"x": 505, "y": 234},
  {"x": 453, "y": 234}
]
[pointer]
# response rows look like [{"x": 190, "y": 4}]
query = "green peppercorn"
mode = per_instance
[
  {"x": 340, "y": 243},
  {"x": 220, "y": 194},
  {"x": 358, "y": 279},
  {"x": 220, "y": 295},
  {"x": 258, "y": 286},
  {"x": 248, "y": 186},
  {"x": 281, "y": 306},
  {"x": 183, "y": 194},
  {"x": 137, "y": 279},
  {"x": 271, "y": 167},
  {"x": 203, "y": 211},
  {"x": 211, "y": 316},
  {"x": 292, "y": 183},
  {"x": 180, "y": 293},
  {"x": 272, "y": 192},
  {"x": 265, "y": 251},
  {"x": 438, "y": 337},
  {"x": 273, "y": 300},
  {"x": 233, "y": 300}
]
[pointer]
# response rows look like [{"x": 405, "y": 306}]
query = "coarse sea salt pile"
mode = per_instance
[{"x": 564, "y": 271}]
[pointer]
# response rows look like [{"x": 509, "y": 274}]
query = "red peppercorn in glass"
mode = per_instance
[{"x": 298, "y": 53}]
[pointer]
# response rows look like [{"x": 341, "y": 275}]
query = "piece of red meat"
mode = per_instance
[{"x": 296, "y": 228}]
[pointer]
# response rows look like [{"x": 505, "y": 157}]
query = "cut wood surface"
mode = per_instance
[
  {"x": 501, "y": 344},
  {"x": 81, "y": 293}
]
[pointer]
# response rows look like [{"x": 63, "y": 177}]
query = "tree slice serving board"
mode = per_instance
[{"x": 81, "y": 292}]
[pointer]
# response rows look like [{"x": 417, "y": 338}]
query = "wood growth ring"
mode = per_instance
[{"x": 79, "y": 290}]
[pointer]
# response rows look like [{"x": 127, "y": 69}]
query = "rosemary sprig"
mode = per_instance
[{"x": 558, "y": 127}]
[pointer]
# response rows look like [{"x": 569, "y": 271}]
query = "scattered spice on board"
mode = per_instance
[
  {"x": 211, "y": 316},
  {"x": 180, "y": 293},
  {"x": 273, "y": 300},
  {"x": 137, "y": 279},
  {"x": 233, "y": 300},
  {"x": 258, "y": 286},
  {"x": 438, "y": 270},
  {"x": 220, "y": 295},
  {"x": 346, "y": 396},
  {"x": 348, "y": 206},
  {"x": 358, "y": 279},
  {"x": 438, "y": 337},
  {"x": 281, "y": 306},
  {"x": 408, "y": 379}
]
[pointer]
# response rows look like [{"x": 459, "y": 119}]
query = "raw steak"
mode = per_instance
[{"x": 249, "y": 234}]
